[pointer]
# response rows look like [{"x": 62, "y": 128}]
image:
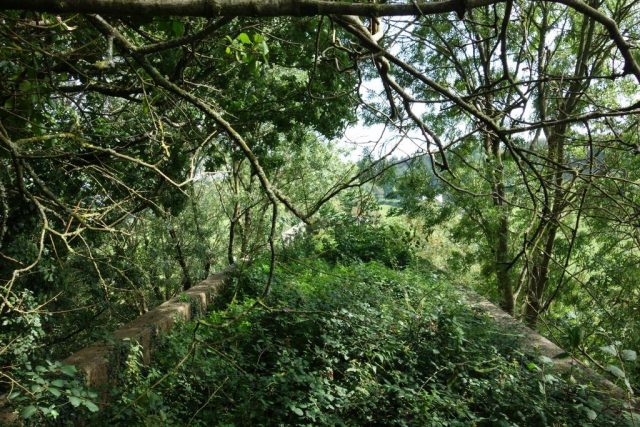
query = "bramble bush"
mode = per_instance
[
  {"x": 348, "y": 344},
  {"x": 388, "y": 244}
]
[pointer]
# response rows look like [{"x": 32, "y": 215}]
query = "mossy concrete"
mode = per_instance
[
  {"x": 535, "y": 343},
  {"x": 94, "y": 359}
]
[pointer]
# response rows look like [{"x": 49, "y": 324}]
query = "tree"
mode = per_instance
[
  {"x": 107, "y": 119},
  {"x": 491, "y": 85}
]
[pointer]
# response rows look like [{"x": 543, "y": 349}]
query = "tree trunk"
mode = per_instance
[
  {"x": 232, "y": 232},
  {"x": 552, "y": 215},
  {"x": 502, "y": 267},
  {"x": 186, "y": 282},
  {"x": 253, "y": 8},
  {"x": 235, "y": 217},
  {"x": 538, "y": 280},
  {"x": 502, "y": 254},
  {"x": 246, "y": 232},
  {"x": 199, "y": 234}
]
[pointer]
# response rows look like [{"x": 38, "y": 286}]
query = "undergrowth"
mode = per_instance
[{"x": 354, "y": 344}]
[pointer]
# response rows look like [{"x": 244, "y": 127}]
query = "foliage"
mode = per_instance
[
  {"x": 354, "y": 231},
  {"x": 140, "y": 153},
  {"x": 352, "y": 345},
  {"x": 388, "y": 244},
  {"x": 53, "y": 394}
]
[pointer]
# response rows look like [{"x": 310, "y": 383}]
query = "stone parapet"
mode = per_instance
[
  {"x": 94, "y": 360},
  {"x": 535, "y": 343}
]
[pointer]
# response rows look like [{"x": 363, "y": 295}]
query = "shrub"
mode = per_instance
[
  {"x": 388, "y": 244},
  {"x": 350, "y": 345}
]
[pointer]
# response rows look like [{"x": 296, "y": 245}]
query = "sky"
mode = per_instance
[{"x": 379, "y": 138}]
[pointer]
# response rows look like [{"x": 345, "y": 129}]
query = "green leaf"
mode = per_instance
[
  {"x": 91, "y": 406},
  {"x": 177, "y": 28},
  {"x": 576, "y": 335},
  {"x": 58, "y": 383},
  {"x": 228, "y": 50},
  {"x": 632, "y": 417},
  {"x": 54, "y": 391},
  {"x": 244, "y": 38},
  {"x": 595, "y": 403},
  {"x": 28, "y": 412},
  {"x": 258, "y": 38},
  {"x": 609, "y": 349},
  {"x": 25, "y": 86},
  {"x": 615, "y": 371},
  {"x": 69, "y": 370},
  {"x": 546, "y": 360},
  {"x": 164, "y": 26},
  {"x": 297, "y": 411},
  {"x": 254, "y": 67},
  {"x": 263, "y": 49},
  {"x": 629, "y": 355},
  {"x": 75, "y": 401}
]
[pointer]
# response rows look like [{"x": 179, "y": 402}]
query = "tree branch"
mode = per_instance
[{"x": 257, "y": 8}]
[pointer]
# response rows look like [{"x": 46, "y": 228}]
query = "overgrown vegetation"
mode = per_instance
[
  {"x": 348, "y": 344},
  {"x": 145, "y": 145},
  {"x": 585, "y": 313}
]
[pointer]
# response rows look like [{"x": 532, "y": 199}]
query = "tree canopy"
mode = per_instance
[{"x": 125, "y": 124}]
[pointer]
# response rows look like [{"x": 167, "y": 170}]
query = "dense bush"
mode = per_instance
[
  {"x": 356, "y": 345},
  {"x": 387, "y": 244}
]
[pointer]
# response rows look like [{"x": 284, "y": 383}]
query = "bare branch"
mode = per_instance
[{"x": 258, "y": 8}]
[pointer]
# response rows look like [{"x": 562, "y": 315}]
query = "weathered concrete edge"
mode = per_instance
[
  {"x": 539, "y": 344},
  {"x": 92, "y": 360}
]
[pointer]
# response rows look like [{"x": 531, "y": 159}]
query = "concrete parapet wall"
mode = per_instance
[
  {"x": 537, "y": 344},
  {"x": 94, "y": 359}
]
